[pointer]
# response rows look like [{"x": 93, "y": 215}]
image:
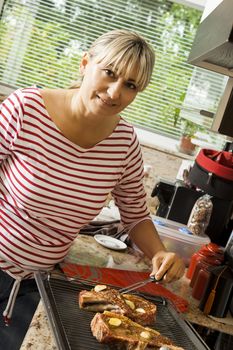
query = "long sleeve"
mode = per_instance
[{"x": 10, "y": 122}]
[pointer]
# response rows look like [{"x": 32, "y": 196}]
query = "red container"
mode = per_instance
[
  {"x": 201, "y": 282},
  {"x": 196, "y": 256},
  {"x": 200, "y": 263},
  {"x": 210, "y": 252}
]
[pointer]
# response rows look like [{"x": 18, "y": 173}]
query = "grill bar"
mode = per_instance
[{"x": 71, "y": 325}]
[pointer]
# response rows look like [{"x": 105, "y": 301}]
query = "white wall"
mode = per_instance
[
  {"x": 198, "y": 4},
  {"x": 1, "y": 4},
  {"x": 209, "y": 7}
]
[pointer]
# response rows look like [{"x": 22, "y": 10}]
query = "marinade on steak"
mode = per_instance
[
  {"x": 133, "y": 306},
  {"x": 124, "y": 334}
]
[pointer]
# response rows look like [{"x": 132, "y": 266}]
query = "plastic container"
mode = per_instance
[{"x": 177, "y": 238}]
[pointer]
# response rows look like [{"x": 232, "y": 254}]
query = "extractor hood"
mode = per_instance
[{"x": 213, "y": 44}]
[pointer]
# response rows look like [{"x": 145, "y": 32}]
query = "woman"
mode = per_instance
[{"x": 64, "y": 150}]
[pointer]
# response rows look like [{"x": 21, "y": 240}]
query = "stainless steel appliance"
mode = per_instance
[
  {"x": 213, "y": 44},
  {"x": 212, "y": 49}
]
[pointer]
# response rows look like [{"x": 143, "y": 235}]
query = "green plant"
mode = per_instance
[{"x": 189, "y": 128}]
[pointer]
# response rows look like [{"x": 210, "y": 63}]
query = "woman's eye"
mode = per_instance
[
  {"x": 131, "y": 86},
  {"x": 110, "y": 73}
]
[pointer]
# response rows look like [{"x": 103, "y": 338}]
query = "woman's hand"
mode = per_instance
[{"x": 167, "y": 266}]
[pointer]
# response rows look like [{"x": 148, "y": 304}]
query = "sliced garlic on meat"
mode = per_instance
[
  {"x": 141, "y": 310},
  {"x": 130, "y": 303},
  {"x": 145, "y": 335},
  {"x": 99, "y": 287},
  {"x": 154, "y": 331},
  {"x": 113, "y": 321}
]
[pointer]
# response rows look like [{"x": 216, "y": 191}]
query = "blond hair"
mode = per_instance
[{"x": 125, "y": 52}]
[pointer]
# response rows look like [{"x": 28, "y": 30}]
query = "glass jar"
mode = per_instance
[
  {"x": 199, "y": 265},
  {"x": 192, "y": 265},
  {"x": 201, "y": 281}
]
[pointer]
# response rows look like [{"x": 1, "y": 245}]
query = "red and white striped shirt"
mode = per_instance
[{"x": 51, "y": 187}]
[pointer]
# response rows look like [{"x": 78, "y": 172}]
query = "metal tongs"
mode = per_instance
[{"x": 139, "y": 284}]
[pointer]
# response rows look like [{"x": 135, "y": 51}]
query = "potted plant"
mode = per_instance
[{"x": 189, "y": 130}]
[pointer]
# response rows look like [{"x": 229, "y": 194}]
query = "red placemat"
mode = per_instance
[{"x": 123, "y": 278}]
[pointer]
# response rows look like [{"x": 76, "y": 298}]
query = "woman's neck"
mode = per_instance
[{"x": 69, "y": 115}]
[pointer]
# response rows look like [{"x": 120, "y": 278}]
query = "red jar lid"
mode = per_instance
[
  {"x": 214, "y": 247},
  {"x": 211, "y": 248},
  {"x": 212, "y": 252}
]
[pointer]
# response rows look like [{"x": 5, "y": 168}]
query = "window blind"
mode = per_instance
[{"x": 41, "y": 42}]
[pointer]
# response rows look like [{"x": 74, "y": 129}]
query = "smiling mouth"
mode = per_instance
[{"x": 108, "y": 103}]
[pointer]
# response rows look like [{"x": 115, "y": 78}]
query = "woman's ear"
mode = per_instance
[{"x": 83, "y": 63}]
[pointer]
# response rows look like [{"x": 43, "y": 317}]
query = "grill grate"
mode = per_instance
[{"x": 71, "y": 325}]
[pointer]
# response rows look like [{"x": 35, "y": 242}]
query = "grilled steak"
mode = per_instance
[
  {"x": 142, "y": 310},
  {"x": 124, "y": 334},
  {"x": 106, "y": 299},
  {"x": 103, "y": 298}
]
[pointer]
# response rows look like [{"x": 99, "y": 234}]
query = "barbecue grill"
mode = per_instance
[{"x": 71, "y": 325}]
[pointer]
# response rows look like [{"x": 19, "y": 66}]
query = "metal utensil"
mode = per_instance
[{"x": 139, "y": 284}]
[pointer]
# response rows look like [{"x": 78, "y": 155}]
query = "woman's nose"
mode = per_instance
[{"x": 114, "y": 90}]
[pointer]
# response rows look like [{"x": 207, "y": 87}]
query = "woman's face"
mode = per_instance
[{"x": 104, "y": 92}]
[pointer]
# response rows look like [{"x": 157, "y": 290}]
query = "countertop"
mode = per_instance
[{"x": 86, "y": 251}]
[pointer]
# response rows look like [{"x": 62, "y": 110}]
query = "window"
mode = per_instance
[{"x": 41, "y": 42}]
